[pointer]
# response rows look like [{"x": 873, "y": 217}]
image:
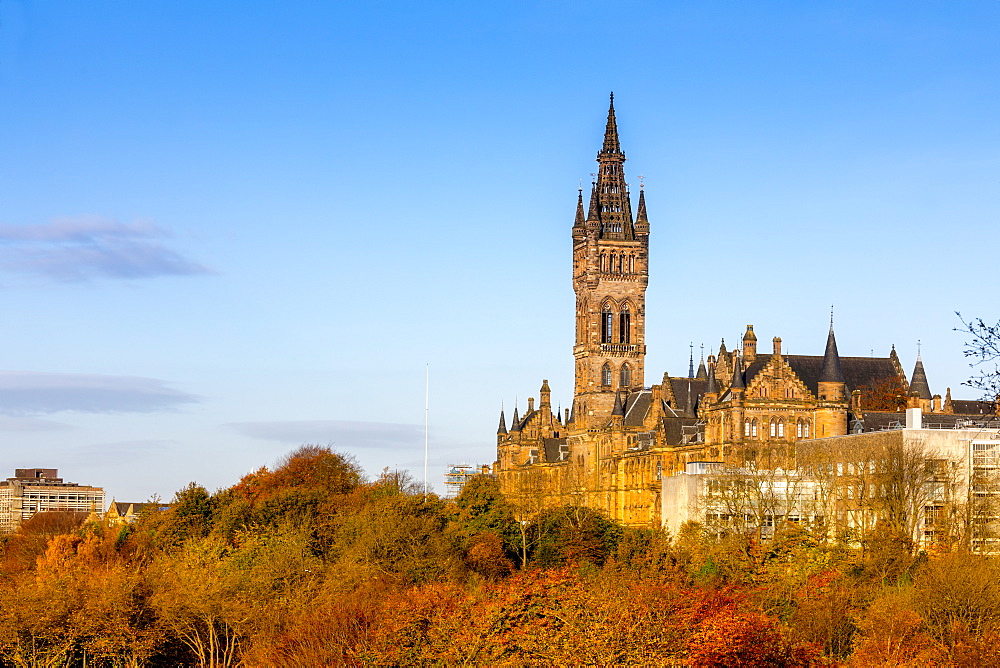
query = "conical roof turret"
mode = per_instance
[
  {"x": 594, "y": 211},
  {"x": 713, "y": 386},
  {"x": 502, "y": 429},
  {"x": 581, "y": 220},
  {"x": 515, "y": 422},
  {"x": 619, "y": 409},
  {"x": 831, "y": 371},
  {"x": 738, "y": 381},
  {"x": 918, "y": 382},
  {"x": 641, "y": 221},
  {"x": 640, "y": 216}
]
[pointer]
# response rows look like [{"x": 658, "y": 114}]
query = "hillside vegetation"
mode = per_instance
[{"x": 310, "y": 564}]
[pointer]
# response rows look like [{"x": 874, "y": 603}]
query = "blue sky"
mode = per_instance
[{"x": 227, "y": 230}]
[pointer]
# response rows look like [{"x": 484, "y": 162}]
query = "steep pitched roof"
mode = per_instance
[
  {"x": 857, "y": 371},
  {"x": 918, "y": 382},
  {"x": 831, "y": 371}
]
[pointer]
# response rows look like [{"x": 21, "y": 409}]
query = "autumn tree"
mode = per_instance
[{"x": 884, "y": 394}]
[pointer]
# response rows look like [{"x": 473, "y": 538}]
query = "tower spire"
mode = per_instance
[
  {"x": 918, "y": 381},
  {"x": 611, "y": 144},
  {"x": 691, "y": 361},
  {"x": 611, "y": 189},
  {"x": 580, "y": 218},
  {"x": 831, "y": 371}
]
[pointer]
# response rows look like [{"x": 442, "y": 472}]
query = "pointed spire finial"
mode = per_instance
[
  {"x": 611, "y": 144},
  {"x": 691, "y": 361},
  {"x": 918, "y": 348},
  {"x": 831, "y": 316}
]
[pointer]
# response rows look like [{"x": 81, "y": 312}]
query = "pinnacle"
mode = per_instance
[{"x": 611, "y": 144}]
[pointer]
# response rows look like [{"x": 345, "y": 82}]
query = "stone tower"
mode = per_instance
[{"x": 610, "y": 274}]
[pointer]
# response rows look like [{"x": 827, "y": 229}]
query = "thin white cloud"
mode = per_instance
[
  {"x": 80, "y": 249},
  {"x": 26, "y": 424},
  {"x": 24, "y": 393},
  {"x": 345, "y": 435}
]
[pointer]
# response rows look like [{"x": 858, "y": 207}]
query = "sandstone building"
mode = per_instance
[{"x": 611, "y": 450}]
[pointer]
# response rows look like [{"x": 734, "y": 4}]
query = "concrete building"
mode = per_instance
[
  {"x": 937, "y": 482},
  {"x": 33, "y": 491}
]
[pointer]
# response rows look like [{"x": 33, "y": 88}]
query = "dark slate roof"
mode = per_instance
[
  {"x": 673, "y": 429},
  {"x": 637, "y": 407},
  {"x": 688, "y": 387},
  {"x": 524, "y": 420},
  {"x": 713, "y": 384},
  {"x": 502, "y": 429},
  {"x": 832, "y": 372},
  {"x": 858, "y": 371},
  {"x": 702, "y": 371},
  {"x": 739, "y": 377},
  {"x": 966, "y": 407},
  {"x": 881, "y": 420},
  {"x": 918, "y": 383},
  {"x": 551, "y": 446}
]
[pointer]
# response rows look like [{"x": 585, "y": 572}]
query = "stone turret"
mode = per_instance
[{"x": 749, "y": 345}]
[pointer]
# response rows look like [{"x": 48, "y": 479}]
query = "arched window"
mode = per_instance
[
  {"x": 631, "y": 264},
  {"x": 805, "y": 429},
  {"x": 781, "y": 429},
  {"x": 753, "y": 428},
  {"x": 798, "y": 429},
  {"x": 625, "y": 325},
  {"x": 746, "y": 428},
  {"x": 606, "y": 375},
  {"x": 607, "y": 324},
  {"x": 774, "y": 427},
  {"x": 626, "y": 376},
  {"x": 604, "y": 263},
  {"x": 763, "y": 391}
]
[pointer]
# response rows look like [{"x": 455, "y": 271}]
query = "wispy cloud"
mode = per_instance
[
  {"x": 26, "y": 424},
  {"x": 25, "y": 393},
  {"x": 80, "y": 249},
  {"x": 340, "y": 433}
]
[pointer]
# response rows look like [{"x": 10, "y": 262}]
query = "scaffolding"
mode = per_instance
[{"x": 458, "y": 475}]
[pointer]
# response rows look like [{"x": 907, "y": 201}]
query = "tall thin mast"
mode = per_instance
[{"x": 427, "y": 418}]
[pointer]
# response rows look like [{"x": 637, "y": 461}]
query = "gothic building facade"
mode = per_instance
[{"x": 742, "y": 407}]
